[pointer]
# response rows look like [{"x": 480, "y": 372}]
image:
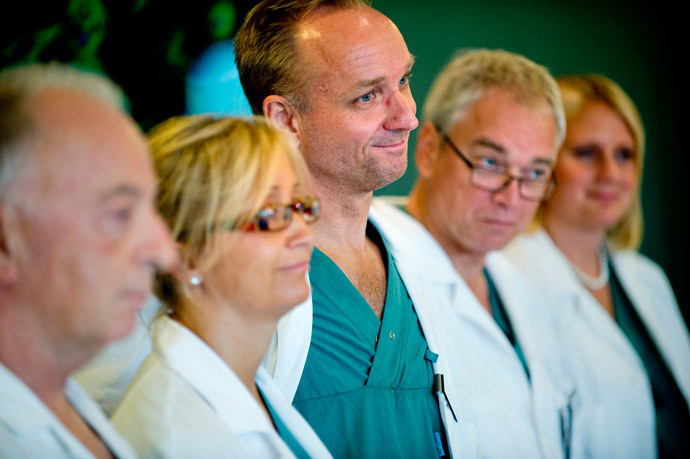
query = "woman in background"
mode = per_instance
[
  {"x": 622, "y": 317},
  {"x": 233, "y": 194}
]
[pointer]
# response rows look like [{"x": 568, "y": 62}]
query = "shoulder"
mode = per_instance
[{"x": 162, "y": 415}]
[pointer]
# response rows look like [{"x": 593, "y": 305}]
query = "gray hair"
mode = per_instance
[
  {"x": 470, "y": 73},
  {"x": 19, "y": 85}
]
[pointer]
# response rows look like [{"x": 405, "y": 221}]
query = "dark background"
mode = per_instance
[{"x": 147, "y": 46}]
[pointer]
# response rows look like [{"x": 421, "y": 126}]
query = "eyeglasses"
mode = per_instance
[
  {"x": 278, "y": 217},
  {"x": 495, "y": 177}
]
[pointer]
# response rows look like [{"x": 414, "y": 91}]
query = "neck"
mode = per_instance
[
  {"x": 469, "y": 264},
  {"x": 26, "y": 349},
  {"x": 241, "y": 342},
  {"x": 580, "y": 246},
  {"x": 343, "y": 219}
]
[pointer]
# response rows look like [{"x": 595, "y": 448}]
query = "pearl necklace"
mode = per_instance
[{"x": 595, "y": 283}]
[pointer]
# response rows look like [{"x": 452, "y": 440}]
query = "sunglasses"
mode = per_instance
[{"x": 278, "y": 217}]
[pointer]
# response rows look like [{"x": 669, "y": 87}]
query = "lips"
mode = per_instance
[
  {"x": 603, "y": 195},
  {"x": 300, "y": 266}
]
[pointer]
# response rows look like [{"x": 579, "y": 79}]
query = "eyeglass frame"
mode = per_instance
[
  {"x": 259, "y": 221},
  {"x": 550, "y": 182}
]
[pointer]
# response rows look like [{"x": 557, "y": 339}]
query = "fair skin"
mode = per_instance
[
  {"x": 259, "y": 276},
  {"x": 467, "y": 221},
  {"x": 80, "y": 243},
  {"x": 355, "y": 131},
  {"x": 596, "y": 186}
]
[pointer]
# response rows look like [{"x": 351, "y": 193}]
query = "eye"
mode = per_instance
[
  {"x": 624, "y": 154},
  {"x": 368, "y": 97},
  {"x": 405, "y": 79},
  {"x": 117, "y": 219},
  {"x": 537, "y": 174},
  {"x": 585, "y": 152},
  {"x": 491, "y": 164}
]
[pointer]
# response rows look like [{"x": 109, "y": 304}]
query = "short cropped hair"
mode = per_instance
[
  {"x": 18, "y": 85},
  {"x": 469, "y": 74},
  {"x": 266, "y": 52},
  {"x": 213, "y": 172},
  {"x": 577, "y": 91}
]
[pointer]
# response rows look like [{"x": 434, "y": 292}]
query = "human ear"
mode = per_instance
[
  {"x": 281, "y": 114},
  {"x": 426, "y": 151}
]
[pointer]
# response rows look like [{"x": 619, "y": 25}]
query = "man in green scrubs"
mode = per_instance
[{"x": 335, "y": 75}]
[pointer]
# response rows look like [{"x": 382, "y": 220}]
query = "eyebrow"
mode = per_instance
[
  {"x": 362, "y": 84},
  {"x": 122, "y": 190},
  {"x": 486, "y": 142}
]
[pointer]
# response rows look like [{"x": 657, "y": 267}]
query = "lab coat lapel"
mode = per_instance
[
  {"x": 646, "y": 296},
  {"x": 456, "y": 413},
  {"x": 549, "y": 381},
  {"x": 201, "y": 367},
  {"x": 562, "y": 276}
]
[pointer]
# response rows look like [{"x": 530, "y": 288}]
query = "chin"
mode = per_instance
[{"x": 121, "y": 327}]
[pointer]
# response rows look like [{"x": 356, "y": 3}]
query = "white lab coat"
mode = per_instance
[
  {"x": 514, "y": 416},
  {"x": 455, "y": 412},
  {"x": 107, "y": 376},
  {"x": 29, "y": 429},
  {"x": 186, "y": 402},
  {"x": 616, "y": 416}
]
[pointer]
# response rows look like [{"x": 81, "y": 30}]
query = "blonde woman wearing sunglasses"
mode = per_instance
[{"x": 233, "y": 194}]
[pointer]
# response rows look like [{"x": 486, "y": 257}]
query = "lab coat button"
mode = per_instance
[{"x": 391, "y": 334}]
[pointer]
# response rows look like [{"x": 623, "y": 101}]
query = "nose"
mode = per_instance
[
  {"x": 608, "y": 167},
  {"x": 158, "y": 249},
  {"x": 401, "y": 112},
  {"x": 509, "y": 195},
  {"x": 299, "y": 232}
]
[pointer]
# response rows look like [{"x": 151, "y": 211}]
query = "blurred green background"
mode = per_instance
[{"x": 147, "y": 46}]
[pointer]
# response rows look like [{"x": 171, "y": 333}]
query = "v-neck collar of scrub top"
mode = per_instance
[
  {"x": 29, "y": 418},
  {"x": 391, "y": 328}
]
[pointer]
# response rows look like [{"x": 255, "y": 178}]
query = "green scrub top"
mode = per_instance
[
  {"x": 503, "y": 321},
  {"x": 672, "y": 414},
  {"x": 367, "y": 386},
  {"x": 283, "y": 431}
]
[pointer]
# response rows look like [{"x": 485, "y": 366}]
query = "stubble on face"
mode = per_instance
[{"x": 348, "y": 144}]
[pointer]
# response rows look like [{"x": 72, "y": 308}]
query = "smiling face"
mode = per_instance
[
  {"x": 360, "y": 111},
  {"x": 496, "y": 128},
  {"x": 262, "y": 274},
  {"x": 88, "y": 238},
  {"x": 596, "y": 171}
]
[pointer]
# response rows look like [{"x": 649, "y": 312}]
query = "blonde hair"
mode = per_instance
[
  {"x": 213, "y": 172},
  {"x": 577, "y": 91}
]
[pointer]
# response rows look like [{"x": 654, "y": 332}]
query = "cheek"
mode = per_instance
[{"x": 528, "y": 210}]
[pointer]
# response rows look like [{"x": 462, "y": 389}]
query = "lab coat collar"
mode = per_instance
[
  {"x": 559, "y": 273},
  {"x": 30, "y": 417},
  {"x": 195, "y": 362},
  {"x": 457, "y": 414}
]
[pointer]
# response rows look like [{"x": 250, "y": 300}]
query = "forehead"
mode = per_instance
[
  {"x": 599, "y": 121},
  {"x": 85, "y": 148},
  {"x": 524, "y": 130},
  {"x": 343, "y": 47}
]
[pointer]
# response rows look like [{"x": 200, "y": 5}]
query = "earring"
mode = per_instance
[{"x": 195, "y": 280}]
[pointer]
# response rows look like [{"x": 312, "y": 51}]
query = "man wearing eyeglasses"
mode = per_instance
[{"x": 492, "y": 125}]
